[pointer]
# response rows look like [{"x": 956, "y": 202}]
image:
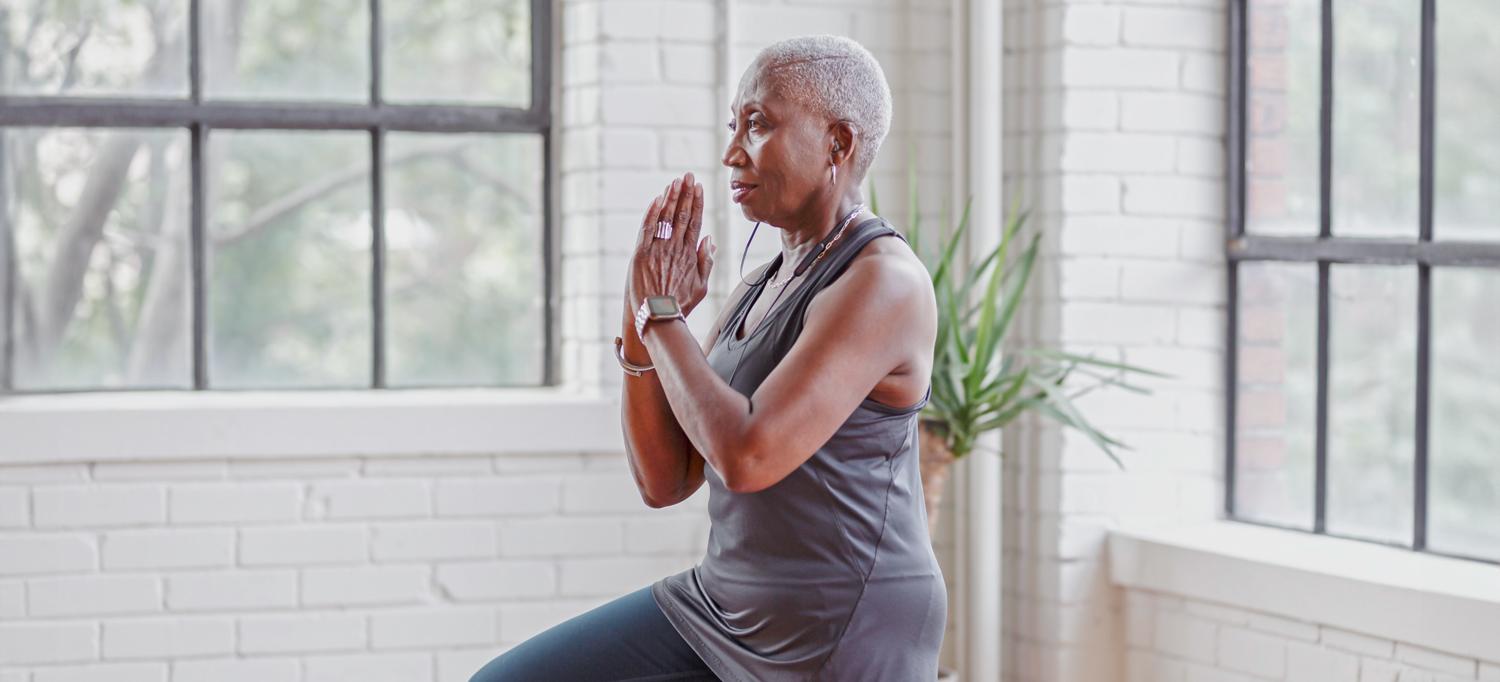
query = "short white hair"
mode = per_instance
[{"x": 835, "y": 77}]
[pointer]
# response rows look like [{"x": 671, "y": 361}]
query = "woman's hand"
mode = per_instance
[{"x": 678, "y": 265}]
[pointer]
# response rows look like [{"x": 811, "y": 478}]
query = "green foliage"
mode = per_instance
[{"x": 977, "y": 388}]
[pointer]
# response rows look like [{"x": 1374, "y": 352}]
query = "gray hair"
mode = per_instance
[{"x": 834, "y": 77}]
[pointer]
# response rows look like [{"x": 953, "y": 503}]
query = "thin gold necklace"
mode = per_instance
[{"x": 842, "y": 226}]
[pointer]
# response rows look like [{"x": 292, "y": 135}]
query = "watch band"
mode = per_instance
[{"x": 643, "y": 315}]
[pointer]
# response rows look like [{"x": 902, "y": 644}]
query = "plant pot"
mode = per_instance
[{"x": 937, "y": 461}]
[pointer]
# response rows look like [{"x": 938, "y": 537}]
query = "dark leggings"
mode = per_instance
[{"x": 625, "y": 639}]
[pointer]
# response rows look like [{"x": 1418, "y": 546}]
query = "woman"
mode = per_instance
[{"x": 799, "y": 411}]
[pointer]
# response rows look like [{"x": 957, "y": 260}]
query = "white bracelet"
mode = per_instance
[{"x": 632, "y": 369}]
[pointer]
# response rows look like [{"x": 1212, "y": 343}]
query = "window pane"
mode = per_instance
[
  {"x": 287, "y": 49},
  {"x": 1281, "y": 137},
  {"x": 100, "y": 218},
  {"x": 289, "y": 216},
  {"x": 457, "y": 50},
  {"x": 1371, "y": 400},
  {"x": 1275, "y": 404},
  {"x": 464, "y": 285},
  {"x": 1376, "y": 117},
  {"x": 93, "y": 47},
  {"x": 1467, "y": 158},
  {"x": 1464, "y": 467}
]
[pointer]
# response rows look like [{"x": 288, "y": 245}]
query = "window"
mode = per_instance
[
  {"x": 1364, "y": 257},
  {"x": 236, "y": 194}
]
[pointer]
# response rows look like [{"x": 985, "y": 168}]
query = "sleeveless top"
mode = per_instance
[{"x": 828, "y": 574}]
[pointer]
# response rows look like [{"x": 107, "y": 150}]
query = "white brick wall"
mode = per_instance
[
  {"x": 1171, "y": 639},
  {"x": 379, "y": 568},
  {"x": 1114, "y": 123}
]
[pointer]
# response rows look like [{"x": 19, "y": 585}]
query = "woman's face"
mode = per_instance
[{"x": 778, "y": 149}]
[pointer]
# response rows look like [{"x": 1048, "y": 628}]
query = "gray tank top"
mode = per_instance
[{"x": 829, "y": 574}]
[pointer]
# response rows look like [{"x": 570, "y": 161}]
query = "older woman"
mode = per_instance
[{"x": 799, "y": 411}]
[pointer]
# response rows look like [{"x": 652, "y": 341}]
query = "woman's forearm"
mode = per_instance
[
  {"x": 712, "y": 414},
  {"x": 656, "y": 446}
]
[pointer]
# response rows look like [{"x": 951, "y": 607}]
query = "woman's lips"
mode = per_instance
[{"x": 741, "y": 191}]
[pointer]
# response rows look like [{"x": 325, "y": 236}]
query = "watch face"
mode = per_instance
[{"x": 662, "y": 305}]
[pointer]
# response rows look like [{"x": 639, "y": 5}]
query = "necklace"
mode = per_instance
[{"x": 839, "y": 233}]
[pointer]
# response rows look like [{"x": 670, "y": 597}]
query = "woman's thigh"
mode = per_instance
[{"x": 625, "y": 639}]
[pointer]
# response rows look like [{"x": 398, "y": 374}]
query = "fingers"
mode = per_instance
[
  {"x": 694, "y": 224},
  {"x": 682, "y": 220},
  {"x": 648, "y": 222}
]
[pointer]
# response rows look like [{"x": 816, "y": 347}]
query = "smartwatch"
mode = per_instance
[{"x": 656, "y": 308}]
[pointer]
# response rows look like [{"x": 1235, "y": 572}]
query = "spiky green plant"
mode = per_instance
[{"x": 976, "y": 387}]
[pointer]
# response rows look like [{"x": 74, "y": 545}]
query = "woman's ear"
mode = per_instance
[{"x": 842, "y": 142}]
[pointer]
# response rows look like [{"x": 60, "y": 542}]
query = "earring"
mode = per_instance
[{"x": 834, "y": 172}]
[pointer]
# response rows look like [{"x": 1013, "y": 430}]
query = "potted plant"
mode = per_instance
[{"x": 975, "y": 387}]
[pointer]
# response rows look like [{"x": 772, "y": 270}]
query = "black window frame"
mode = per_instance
[
  {"x": 375, "y": 117},
  {"x": 1326, "y": 249}
]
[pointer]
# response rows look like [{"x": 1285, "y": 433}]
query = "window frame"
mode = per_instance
[
  {"x": 375, "y": 117},
  {"x": 1327, "y": 249}
]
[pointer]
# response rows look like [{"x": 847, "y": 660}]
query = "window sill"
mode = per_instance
[
  {"x": 92, "y": 427},
  {"x": 1447, "y": 604}
]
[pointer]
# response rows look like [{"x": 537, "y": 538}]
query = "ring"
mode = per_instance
[{"x": 663, "y": 229}]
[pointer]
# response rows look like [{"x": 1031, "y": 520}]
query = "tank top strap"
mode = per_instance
[{"x": 842, "y": 254}]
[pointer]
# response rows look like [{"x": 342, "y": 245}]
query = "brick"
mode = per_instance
[
  {"x": 485, "y": 497},
  {"x": 170, "y": 548},
  {"x": 1096, "y": 279},
  {"x": 1251, "y": 652},
  {"x": 655, "y": 105},
  {"x": 235, "y": 502},
  {"x": 12, "y": 600},
  {"x": 366, "y": 499},
  {"x": 601, "y": 493},
  {"x": 627, "y": 149},
  {"x": 1311, "y": 663},
  {"x": 1173, "y": 27},
  {"x": 93, "y": 595},
  {"x": 237, "y": 670},
  {"x": 1357, "y": 643},
  {"x": 561, "y": 537},
  {"x": 1089, "y": 25},
  {"x": 232, "y": 590},
  {"x": 434, "y": 540},
  {"x": 629, "y": 19},
  {"x": 44, "y": 473},
  {"x": 158, "y": 471},
  {"x": 39, "y": 642},
  {"x": 175, "y": 637},
  {"x": 294, "y": 468},
  {"x": 1148, "y": 281},
  {"x": 1117, "y": 323},
  {"x": 756, "y": 25},
  {"x": 1089, "y": 194},
  {"x": 629, "y": 62},
  {"x": 429, "y": 465},
  {"x": 302, "y": 632},
  {"x": 690, "y": 149},
  {"x": 368, "y": 667},
  {"x": 690, "y": 64},
  {"x": 364, "y": 585},
  {"x": 1115, "y": 67},
  {"x": 296, "y": 546},
  {"x": 1172, "y": 112},
  {"x": 532, "y": 464},
  {"x": 1438, "y": 661},
  {"x": 432, "y": 628},
  {"x": 1186, "y": 637},
  {"x": 15, "y": 507},
  {"x": 1284, "y": 627},
  {"x": 1378, "y": 671},
  {"x": 104, "y": 672},
  {"x": 1174, "y": 196},
  {"x": 23, "y": 554},
  {"x": 497, "y": 580},
  {"x": 92, "y": 506}
]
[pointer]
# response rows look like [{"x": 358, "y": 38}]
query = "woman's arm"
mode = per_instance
[{"x": 666, "y": 466}]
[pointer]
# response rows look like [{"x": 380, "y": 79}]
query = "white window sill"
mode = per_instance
[
  {"x": 199, "y": 425},
  {"x": 1446, "y": 604}
]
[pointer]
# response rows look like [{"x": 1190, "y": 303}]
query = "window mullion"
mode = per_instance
[{"x": 1424, "y": 279}]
